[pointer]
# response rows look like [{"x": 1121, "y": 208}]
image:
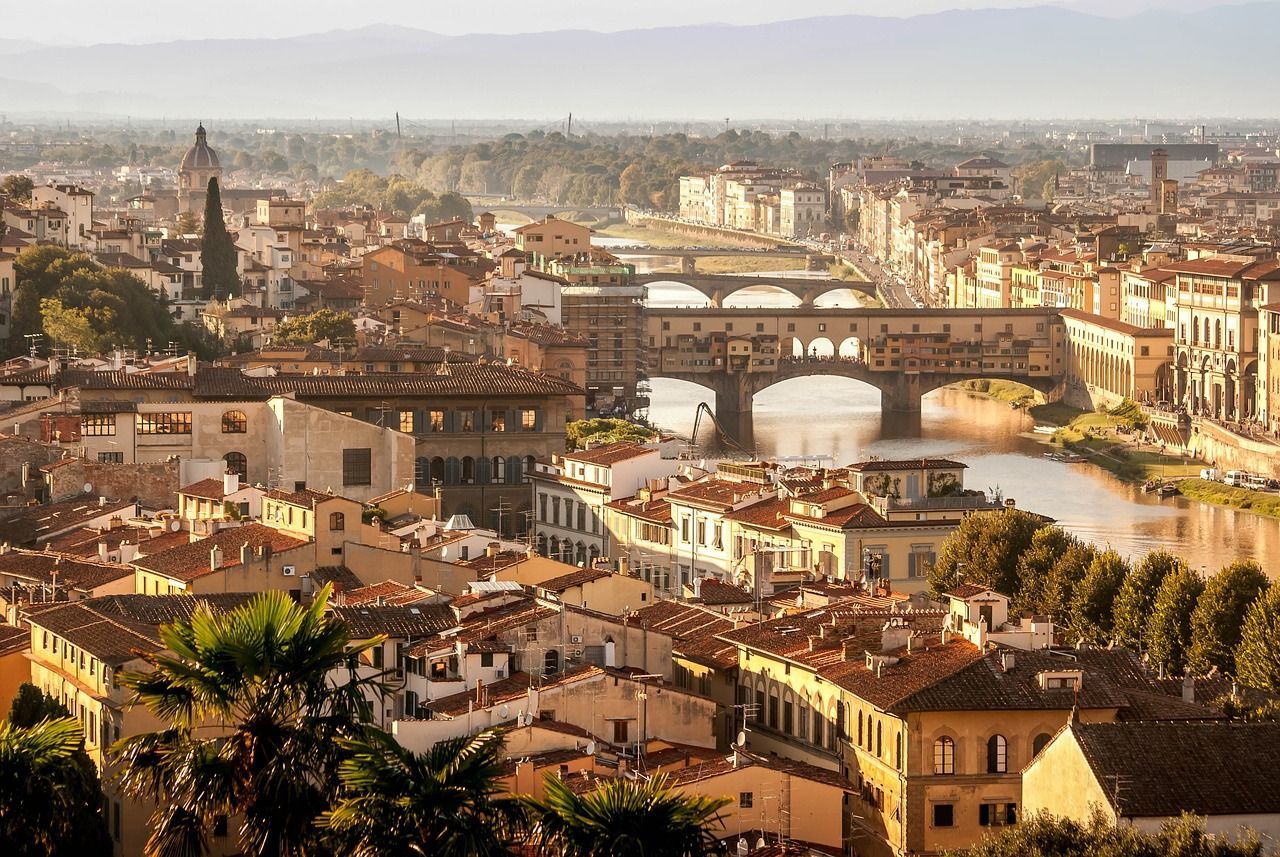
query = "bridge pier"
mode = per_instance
[
  {"x": 717, "y": 298},
  {"x": 902, "y": 393},
  {"x": 688, "y": 265}
]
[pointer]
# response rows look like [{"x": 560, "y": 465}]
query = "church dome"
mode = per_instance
[{"x": 200, "y": 156}]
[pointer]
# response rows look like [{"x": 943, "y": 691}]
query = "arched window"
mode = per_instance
[
  {"x": 944, "y": 756},
  {"x": 234, "y": 422},
  {"x": 499, "y": 469},
  {"x": 468, "y": 470},
  {"x": 482, "y": 470},
  {"x": 515, "y": 470},
  {"x": 1040, "y": 743},
  {"x": 879, "y": 737},
  {"x": 841, "y": 729},
  {"x": 337, "y": 521},
  {"x": 859, "y": 728},
  {"x": 997, "y": 755},
  {"x": 437, "y": 469},
  {"x": 551, "y": 662},
  {"x": 237, "y": 463}
]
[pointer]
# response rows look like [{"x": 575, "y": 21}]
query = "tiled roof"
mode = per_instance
[
  {"x": 967, "y": 590},
  {"x": 396, "y": 621},
  {"x": 719, "y": 494},
  {"x": 545, "y": 334},
  {"x": 304, "y": 497},
  {"x": 856, "y": 517},
  {"x": 610, "y": 453},
  {"x": 712, "y": 591},
  {"x": 574, "y": 578},
  {"x": 721, "y": 765},
  {"x": 656, "y": 511},
  {"x": 205, "y": 489},
  {"x": 486, "y": 625},
  {"x": 72, "y": 571},
  {"x": 1171, "y": 768},
  {"x": 388, "y": 592},
  {"x": 767, "y": 513},
  {"x": 34, "y": 523},
  {"x": 515, "y": 686},
  {"x": 693, "y": 630},
  {"x": 13, "y": 639},
  {"x": 342, "y": 578},
  {"x": 192, "y": 560}
]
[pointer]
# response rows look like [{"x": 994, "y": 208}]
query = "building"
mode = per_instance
[
  {"x": 76, "y": 203},
  {"x": 552, "y": 238},
  {"x": 410, "y": 269},
  {"x": 1145, "y": 774},
  {"x": 571, "y": 492},
  {"x": 199, "y": 165},
  {"x": 1109, "y": 361}
]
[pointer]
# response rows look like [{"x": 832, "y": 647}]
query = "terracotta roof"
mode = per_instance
[
  {"x": 545, "y": 334},
  {"x": 192, "y": 560},
  {"x": 396, "y": 621},
  {"x": 610, "y": 453},
  {"x": 906, "y": 464},
  {"x": 1172, "y": 768},
  {"x": 35, "y": 523},
  {"x": 305, "y": 497},
  {"x": 767, "y": 513},
  {"x": 206, "y": 489},
  {"x": 967, "y": 590},
  {"x": 719, "y": 494},
  {"x": 656, "y": 511},
  {"x": 388, "y": 592},
  {"x": 856, "y": 517},
  {"x": 342, "y": 578},
  {"x": 693, "y": 631},
  {"x": 721, "y": 765},
  {"x": 486, "y": 624},
  {"x": 13, "y": 639},
  {"x": 1251, "y": 269},
  {"x": 72, "y": 571},
  {"x": 712, "y": 591},
  {"x": 515, "y": 686},
  {"x": 574, "y": 578}
]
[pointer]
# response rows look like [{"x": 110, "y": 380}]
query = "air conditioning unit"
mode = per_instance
[
  {"x": 575, "y": 638},
  {"x": 289, "y": 570}
]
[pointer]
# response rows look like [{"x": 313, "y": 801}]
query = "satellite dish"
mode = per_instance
[
  {"x": 591, "y": 748},
  {"x": 742, "y": 738},
  {"x": 88, "y": 487},
  {"x": 528, "y": 718},
  {"x": 503, "y": 711},
  {"x": 175, "y": 525}
]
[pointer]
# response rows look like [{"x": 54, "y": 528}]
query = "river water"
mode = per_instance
[{"x": 838, "y": 420}]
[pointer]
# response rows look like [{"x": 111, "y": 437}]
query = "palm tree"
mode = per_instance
[
  {"x": 44, "y": 787},
  {"x": 442, "y": 803},
  {"x": 255, "y": 725},
  {"x": 625, "y": 818}
]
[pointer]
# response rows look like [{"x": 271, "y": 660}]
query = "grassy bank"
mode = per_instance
[
  {"x": 1006, "y": 391},
  {"x": 846, "y": 272},
  {"x": 1260, "y": 502},
  {"x": 1093, "y": 434}
]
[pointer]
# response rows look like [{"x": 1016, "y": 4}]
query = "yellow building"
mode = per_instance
[
  {"x": 1145, "y": 774},
  {"x": 551, "y": 238},
  {"x": 1108, "y": 361},
  {"x": 77, "y": 651},
  {"x": 931, "y": 727}
]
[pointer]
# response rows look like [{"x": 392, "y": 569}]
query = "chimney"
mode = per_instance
[
  {"x": 102, "y": 551},
  {"x": 246, "y": 554},
  {"x": 5, "y": 547},
  {"x": 192, "y": 363},
  {"x": 1006, "y": 660},
  {"x": 102, "y": 502},
  {"x": 479, "y": 690},
  {"x": 1189, "y": 689},
  {"x": 215, "y": 559},
  {"x": 814, "y": 642},
  {"x": 849, "y": 649},
  {"x": 128, "y": 552},
  {"x": 230, "y": 482},
  {"x": 946, "y": 635}
]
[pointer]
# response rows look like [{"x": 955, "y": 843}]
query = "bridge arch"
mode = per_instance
[
  {"x": 821, "y": 347},
  {"x": 749, "y": 295},
  {"x": 850, "y": 347}
]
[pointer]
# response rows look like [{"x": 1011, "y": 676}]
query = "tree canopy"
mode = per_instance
[
  {"x": 985, "y": 549},
  {"x": 1048, "y": 836},
  {"x": 313, "y": 327},
  {"x": 1216, "y": 622},
  {"x": 1137, "y": 596},
  {"x": 1168, "y": 632},
  {"x": 394, "y": 194},
  {"x": 604, "y": 430},
  {"x": 1258, "y": 657}
]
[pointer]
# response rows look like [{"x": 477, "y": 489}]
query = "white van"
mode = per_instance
[
  {"x": 1256, "y": 482},
  {"x": 1237, "y": 478},
  {"x": 1210, "y": 474}
]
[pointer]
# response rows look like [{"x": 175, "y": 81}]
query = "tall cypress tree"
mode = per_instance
[{"x": 217, "y": 250}]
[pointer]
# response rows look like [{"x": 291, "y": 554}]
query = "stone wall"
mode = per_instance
[
  {"x": 1227, "y": 451},
  {"x": 16, "y": 452},
  {"x": 153, "y": 484}
]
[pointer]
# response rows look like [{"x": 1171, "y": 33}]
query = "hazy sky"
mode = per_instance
[{"x": 94, "y": 21}]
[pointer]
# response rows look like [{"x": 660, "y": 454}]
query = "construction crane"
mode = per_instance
[{"x": 725, "y": 437}]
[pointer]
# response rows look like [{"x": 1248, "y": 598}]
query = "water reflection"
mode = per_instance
[{"x": 838, "y": 420}]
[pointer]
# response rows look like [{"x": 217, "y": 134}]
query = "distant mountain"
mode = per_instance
[{"x": 1029, "y": 62}]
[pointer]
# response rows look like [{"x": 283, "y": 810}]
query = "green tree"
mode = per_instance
[
  {"x": 50, "y": 797},
  {"x": 1258, "y": 655},
  {"x": 625, "y": 818},
  {"x": 1094, "y": 597},
  {"x": 1064, "y": 577},
  {"x": 187, "y": 223},
  {"x": 218, "y": 256},
  {"x": 443, "y": 802},
  {"x": 1168, "y": 633},
  {"x": 263, "y": 673},
  {"x": 604, "y": 430},
  {"x": 1035, "y": 568},
  {"x": 1216, "y": 622},
  {"x": 1137, "y": 596},
  {"x": 984, "y": 549},
  {"x": 38, "y": 272},
  {"x": 31, "y": 705},
  {"x": 313, "y": 327},
  {"x": 1049, "y": 836},
  {"x": 17, "y": 188}
]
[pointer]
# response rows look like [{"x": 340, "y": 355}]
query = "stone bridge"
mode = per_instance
[
  {"x": 905, "y": 354},
  {"x": 717, "y": 287}
]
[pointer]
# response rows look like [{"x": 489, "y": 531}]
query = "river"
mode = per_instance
[{"x": 841, "y": 419}]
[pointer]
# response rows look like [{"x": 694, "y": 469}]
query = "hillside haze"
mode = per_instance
[{"x": 1027, "y": 62}]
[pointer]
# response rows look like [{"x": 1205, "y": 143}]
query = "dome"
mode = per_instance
[{"x": 200, "y": 156}]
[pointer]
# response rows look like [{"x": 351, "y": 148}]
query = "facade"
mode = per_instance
[
  {"x": 199, "y": 165},
  {"x": 552, "y": 238},
  {"x": 1109, "y": 361},
  {"x": 76, "y": 203}
]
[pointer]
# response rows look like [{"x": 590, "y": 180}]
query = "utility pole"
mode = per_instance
[
  {"x": 397, "y": 124},
  {"x": 569, "y": 127}
]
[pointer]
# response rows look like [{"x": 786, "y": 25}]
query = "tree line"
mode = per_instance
[{"x": 1182, "y": 623}]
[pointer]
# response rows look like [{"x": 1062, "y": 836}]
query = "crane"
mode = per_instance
[{"x": 724, "y": 436}]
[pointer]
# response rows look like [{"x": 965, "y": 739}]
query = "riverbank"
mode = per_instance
[
  {"x": 1259, "y": 502},
  {"x": 1109, "y": 440}
]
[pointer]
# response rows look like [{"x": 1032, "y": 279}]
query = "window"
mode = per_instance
[
  {"x": 528, "y": 419},
  {"x": 164, "y": 423},
  {"x": 619, "y": 731},
  {"x": 337, "y": 521},
  {"x": 944, "y": 756},
  {"x": 237, "y": 464},
  {"x": 234, "y": 422},
  {"x": 357, "y": 466},
  {"x": 436, "y": 420},
  {"x": 997, "y": 814},
  {"x": 111, "y": 458},
  {"x": 1039, "y": 744},
  {"x": 98, "y": 425},
  {"x": 486, "y": 659},
  {"x": 406, "y": 422},
  {"x": 997, "y": 755},
  {"x": 944, "y": 815},
  {"x": 466, "y": 420},
  {"x": 497, "y": 421},
  {"x": 745, "y": 799}
]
